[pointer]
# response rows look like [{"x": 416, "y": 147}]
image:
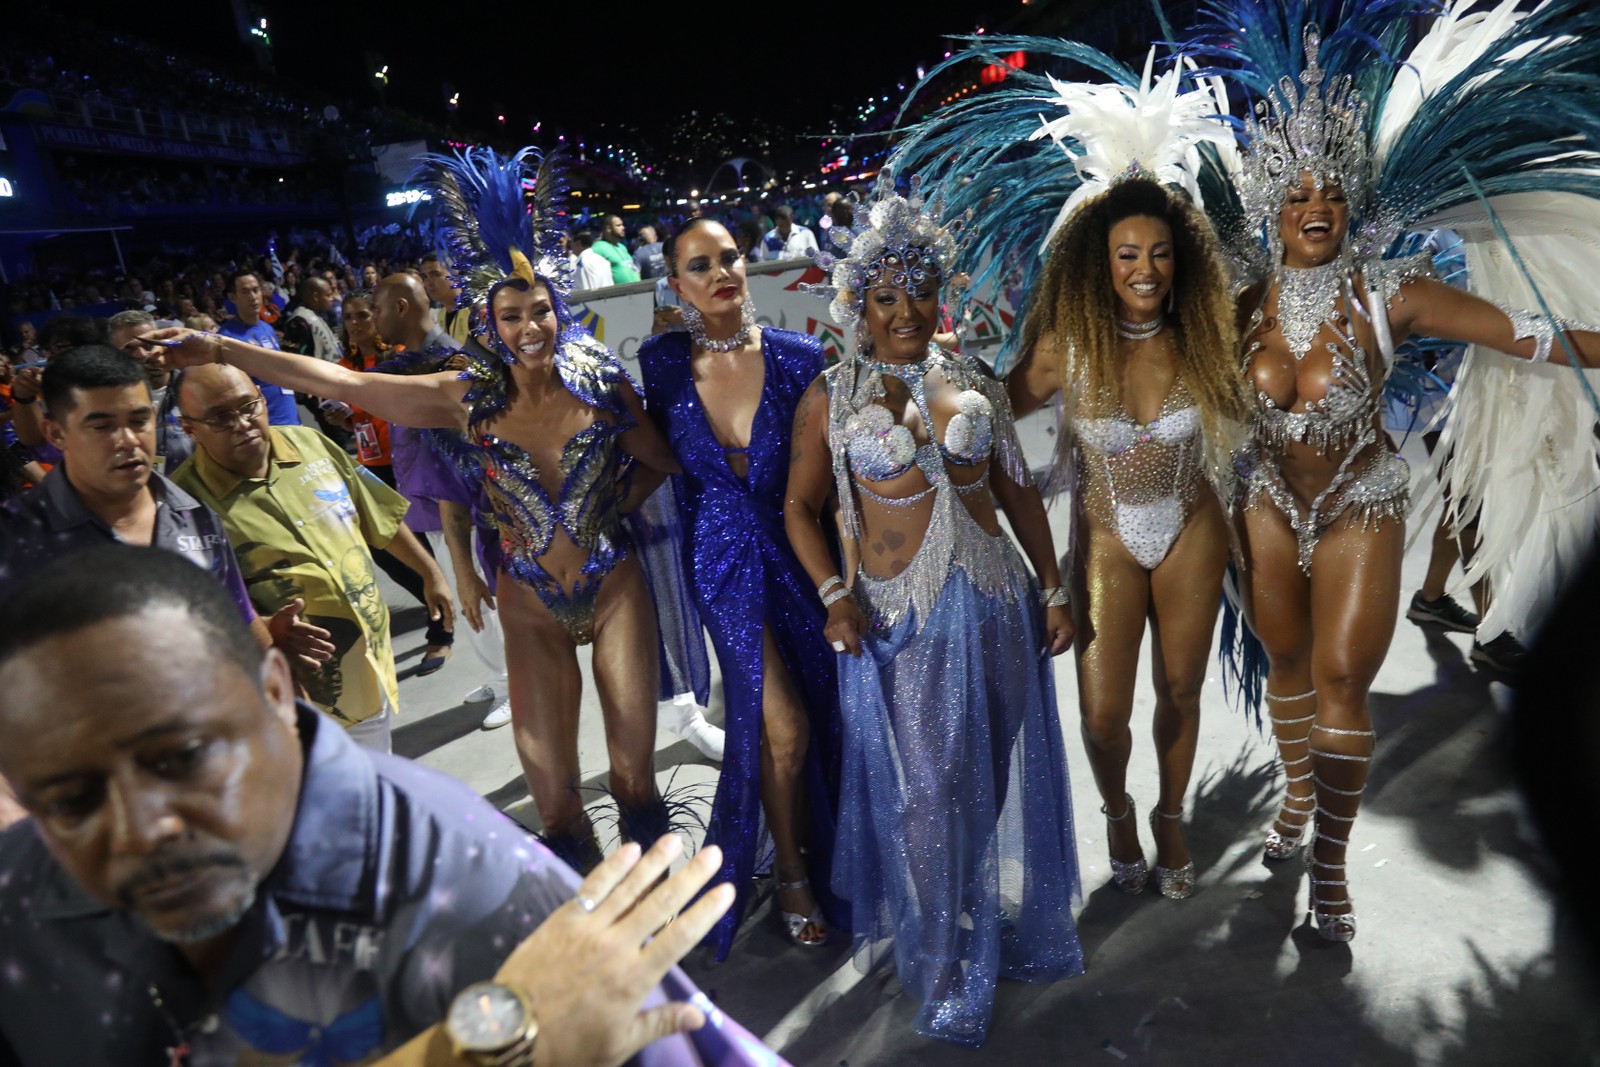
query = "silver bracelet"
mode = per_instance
[
  {"x": 822, "y": 590},
  {"x": 838, "y": 594},
  {"x": 1054, "y": 597}
]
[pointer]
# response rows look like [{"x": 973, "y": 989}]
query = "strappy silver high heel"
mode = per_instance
[
  {"x": 1174, "y": 883},
  {"x": 1331, "y": 925},
  {"x": 1131, "y": 876},
  {"x": 1282, "y": 846},
  {"x": 1337, "y": 926},
  {"x": 793, "y": 922}
]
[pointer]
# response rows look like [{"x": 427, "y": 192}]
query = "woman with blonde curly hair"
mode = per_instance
[{"x": 1132, "y": 322}]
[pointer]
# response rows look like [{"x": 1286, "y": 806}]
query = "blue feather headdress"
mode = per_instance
[
  {"x": 502, "y": 218},
  {"x": 898, "y": 241}
]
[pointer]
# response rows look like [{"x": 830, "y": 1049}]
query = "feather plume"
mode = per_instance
[
  {"x": 1514, "y": 95},
  {"x": 1110, "y": 131},
  {"x": 488, "y": 214},
  {"x": 986, "y": 158}
]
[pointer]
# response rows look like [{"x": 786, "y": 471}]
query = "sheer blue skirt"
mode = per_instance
[{"x": 955, "y": 846}]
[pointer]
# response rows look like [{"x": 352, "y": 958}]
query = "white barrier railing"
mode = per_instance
[{"x": 622, "y": 315}]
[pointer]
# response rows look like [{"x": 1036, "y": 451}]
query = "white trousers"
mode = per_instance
[
  {"x": 490, "y": 645},
  {"x": 374, "y": 733}
]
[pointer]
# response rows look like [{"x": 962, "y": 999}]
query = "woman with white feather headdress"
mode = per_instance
[{"x": 1129, "y": 320}]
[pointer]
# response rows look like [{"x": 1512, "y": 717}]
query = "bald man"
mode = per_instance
[
  {"x": 441, "y": 502},
  {"x": 303, "y": 520},
  {"x": 306, "y": 330}
]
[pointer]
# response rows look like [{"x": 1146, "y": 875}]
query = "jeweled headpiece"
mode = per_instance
[
  {"x": 902, "y": 244},
  {"x": 1302, "y": 128},
  {"x": 501, "y": 218}
]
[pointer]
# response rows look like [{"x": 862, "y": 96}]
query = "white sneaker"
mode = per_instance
[
  {"x": 479, "y": 695},
  {"x": 689, "y": 723},
  {"x": 498, "y": 716}
]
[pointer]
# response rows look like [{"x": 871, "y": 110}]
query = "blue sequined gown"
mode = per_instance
[
  {"x": 744, "y": 575},
  {"x": 955, "y": 846}
]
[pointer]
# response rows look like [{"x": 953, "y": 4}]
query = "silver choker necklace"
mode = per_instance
[
  {"x": 1308, "y": 297},
  {"x": 1141, "y": 331},
  {"x": 697, "y": 329}
]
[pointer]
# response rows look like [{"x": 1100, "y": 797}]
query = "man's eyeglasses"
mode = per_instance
[{"x": 224, "y": 420}]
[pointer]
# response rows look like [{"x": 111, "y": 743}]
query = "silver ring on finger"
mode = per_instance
[
  {"x": 588, "y": 904},
  {"x": 838, "y": 646}
]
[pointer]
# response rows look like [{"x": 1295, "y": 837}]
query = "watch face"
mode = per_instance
[{"x": 486, "y": 1017}]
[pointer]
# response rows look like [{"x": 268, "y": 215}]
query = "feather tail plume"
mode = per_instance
[
  {"x": 978, "y": 157},
  {"x": 1257, "y": 43},
  {"x": 481, "y": 196},
  {"x": 1515, "y": 94}
]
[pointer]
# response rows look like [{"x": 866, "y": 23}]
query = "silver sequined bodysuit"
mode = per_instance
[
  {"x": 1141, "y": 480},
  {"x": 869, "y": 446},
  {"x": 1373, "y": 481}
]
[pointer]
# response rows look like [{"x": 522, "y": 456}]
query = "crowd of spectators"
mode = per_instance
[
  {"x": 77, "y": 63},
  {"x": 111, "y": 187},
  {"x": 177, "y": 283}
]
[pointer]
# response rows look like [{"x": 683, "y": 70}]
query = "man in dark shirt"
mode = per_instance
[
  {"x": 214, "y": 874},
  {"x": 100, "y": 414},
  {"x": 102, "y": 417}
]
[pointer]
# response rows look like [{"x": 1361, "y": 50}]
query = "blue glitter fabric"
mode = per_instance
[
  {"x": 744, "y": 576},
  {"x": 955, "y": 846},
  {"x": 659, "y": 545},
  {"x": 518, "y": 516}
]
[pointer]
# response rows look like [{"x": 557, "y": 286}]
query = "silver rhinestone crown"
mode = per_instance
[{"x": 1299, "y": 128}]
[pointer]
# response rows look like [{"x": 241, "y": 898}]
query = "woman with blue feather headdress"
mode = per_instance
[
  {"x": 551, "y": 435},
  {"x": 1375, "y": 121}
]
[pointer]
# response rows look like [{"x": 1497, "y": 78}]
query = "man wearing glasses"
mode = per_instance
[{"x": 303, "y": 520}]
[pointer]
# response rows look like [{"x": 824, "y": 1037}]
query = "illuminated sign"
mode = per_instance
[
  {"x": 5, "y": 187},
  {"x": 402, "y": 197}
]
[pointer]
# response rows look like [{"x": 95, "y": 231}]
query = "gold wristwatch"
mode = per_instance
[{"x": 492, "y": 1025}]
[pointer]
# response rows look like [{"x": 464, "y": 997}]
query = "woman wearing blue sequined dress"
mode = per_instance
[
  {"x": 724, "y": 394},
  {"x": 955, "y": 848}
]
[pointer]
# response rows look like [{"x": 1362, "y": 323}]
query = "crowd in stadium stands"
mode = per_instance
[{"x": 177, "y": 282}]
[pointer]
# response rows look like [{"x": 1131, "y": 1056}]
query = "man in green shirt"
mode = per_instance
[
  {"x": 613, "y": 248},
  {"x": 302, "y": 519}
]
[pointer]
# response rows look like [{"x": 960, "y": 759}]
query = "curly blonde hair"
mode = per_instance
[{"x": 1074, "y": 305}]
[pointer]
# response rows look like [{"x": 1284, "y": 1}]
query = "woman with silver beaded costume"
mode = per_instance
[
  {"x": 1324, "y": 495},
  {"x": 724, "y": 395},
  {"x": 555, "y": 442},
  {"x": 1132, "y": 322},
  {"x": 953, "y": 767}
]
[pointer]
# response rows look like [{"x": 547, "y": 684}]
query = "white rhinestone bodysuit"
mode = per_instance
[{"x": 1141, "y": 480}]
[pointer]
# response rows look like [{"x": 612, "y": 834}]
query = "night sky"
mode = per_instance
[{"x": 573, "y": 65}]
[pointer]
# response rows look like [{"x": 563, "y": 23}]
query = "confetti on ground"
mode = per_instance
[
  {"x": 1380, "y": 863},
  {"x": 1114, "y": 1050},
  {"x": 1370, "y": 847},
  {"x": 1254, "y": 894}
]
